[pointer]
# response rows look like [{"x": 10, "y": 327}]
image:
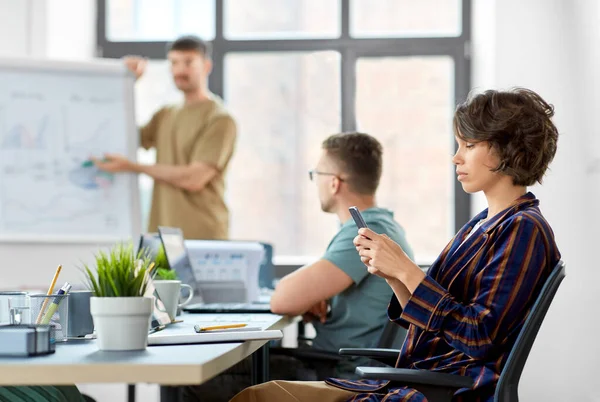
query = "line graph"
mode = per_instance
[
  {"x": 88, "y": 137},
  {"x": 52, "y": 204},
  {"x": 27, "y": 135}
]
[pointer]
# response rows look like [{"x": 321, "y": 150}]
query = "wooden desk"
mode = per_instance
[{"x": 81, "y": 362}]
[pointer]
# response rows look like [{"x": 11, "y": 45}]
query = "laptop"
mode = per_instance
[{"x": 179, "y": 260}]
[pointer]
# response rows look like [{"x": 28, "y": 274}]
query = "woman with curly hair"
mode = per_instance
[{"x": 464, "y": 314}]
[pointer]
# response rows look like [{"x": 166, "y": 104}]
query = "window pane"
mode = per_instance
[
  {"x": 152, "y": 91},
  {"x": 282, "y": 19},
  {"x": 407, "y": 103},
  {"x": 159, "y": 20},
  {"x": 405, "y": 18},
  {"x": 285, "y": 105}
]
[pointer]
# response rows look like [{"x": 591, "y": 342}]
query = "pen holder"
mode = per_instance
[{"x": 51, "y": 310}]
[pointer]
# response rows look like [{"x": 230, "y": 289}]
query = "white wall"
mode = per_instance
[
  {"x": 15, "y": 23},
  {"x": 551, "y": 46}
]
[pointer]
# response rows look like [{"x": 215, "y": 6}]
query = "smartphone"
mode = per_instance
[{"x": 358, "y": 219}]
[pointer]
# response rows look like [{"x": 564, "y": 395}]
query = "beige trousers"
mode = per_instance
[{"x": 293, "y": 391}]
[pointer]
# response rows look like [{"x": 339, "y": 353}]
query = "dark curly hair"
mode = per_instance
[
  {"x": 517, "y": 124},
  {"x": 359, "y": 156}
]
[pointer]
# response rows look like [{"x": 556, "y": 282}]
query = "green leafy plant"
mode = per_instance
[
  {"x": 161, "y": 259},
  {"x": 119, "y": 272},
  {"x": 161, "y": 264},
  {"x": 166, "y": 274}
]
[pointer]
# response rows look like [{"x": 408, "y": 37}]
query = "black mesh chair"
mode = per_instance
[
  {"x": 391, "y": 337},
  {"x": 440, "y": 387}
]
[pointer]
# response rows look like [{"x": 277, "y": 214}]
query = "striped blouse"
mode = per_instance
[{"x": 466, "y": 314}]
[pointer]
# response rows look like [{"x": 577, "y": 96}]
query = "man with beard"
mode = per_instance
[{"x": 194, "y": 142}]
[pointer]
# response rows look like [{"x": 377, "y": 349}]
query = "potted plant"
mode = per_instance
[
  {"x": 165, "y": 274},
  {"x": 120, "y": 309}
]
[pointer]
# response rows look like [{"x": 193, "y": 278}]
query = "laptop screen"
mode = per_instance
[{"x": 177, "y": 256}]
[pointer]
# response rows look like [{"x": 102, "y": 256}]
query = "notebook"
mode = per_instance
[
  {"x": 161, "y": 338},
  {"x": 179, "y": 260}
]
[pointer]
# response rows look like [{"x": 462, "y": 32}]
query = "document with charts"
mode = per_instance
[{"x": 52, "y": 120}]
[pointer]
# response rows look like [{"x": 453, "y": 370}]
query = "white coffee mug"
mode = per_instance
[{"x": 169, "y": 292}]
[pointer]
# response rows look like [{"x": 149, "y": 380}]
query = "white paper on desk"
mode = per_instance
[
  {"x": 162, "y": 338},
  {"x": 223, "y": 262}
]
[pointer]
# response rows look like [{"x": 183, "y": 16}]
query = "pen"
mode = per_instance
[
  {"x": 50, "y": 291},
  {"x": 223, "y": 331},
  {"x": 202, "y": 329},
  {"x": 156, "y": 329},
  {"x": 54, "y": 305}
]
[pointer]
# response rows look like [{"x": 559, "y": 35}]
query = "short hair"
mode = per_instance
[
  {"x": 359, "y": 156},
  {"x": 190, "y": 43},
  {"x": 517, "y": 124}
]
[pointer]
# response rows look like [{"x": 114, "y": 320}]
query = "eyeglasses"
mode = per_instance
[{"x": 312, "y": 173}]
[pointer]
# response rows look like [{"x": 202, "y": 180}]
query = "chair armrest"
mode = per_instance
[
  {"x": 385, "y": 356},
  {"x": 409, "y": 376},
  {"x": 370, "y": 352},
  {"x": 309, "y": 354}
]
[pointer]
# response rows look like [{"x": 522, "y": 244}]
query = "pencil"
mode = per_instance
[
  {"x": 50, "y": 291},
  {"x": 222, "y": 327}
]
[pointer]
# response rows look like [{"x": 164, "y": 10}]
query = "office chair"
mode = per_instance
[
  {"x": 392, "y": 336},
  {"x": 440, "y": 387},
  {"x": 387, "y": 349}
]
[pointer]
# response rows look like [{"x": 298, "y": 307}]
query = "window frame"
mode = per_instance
[{"x": 350, "y": 48}]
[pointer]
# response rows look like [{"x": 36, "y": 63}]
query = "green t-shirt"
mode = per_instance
[{"x": 359, "y": 313}]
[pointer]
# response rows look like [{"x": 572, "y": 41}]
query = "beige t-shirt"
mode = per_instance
[{"x": 200, "y": 132}]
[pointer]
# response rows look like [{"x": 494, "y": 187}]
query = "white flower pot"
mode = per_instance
[{"x": 121, "y": 323}]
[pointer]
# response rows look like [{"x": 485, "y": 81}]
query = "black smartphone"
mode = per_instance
[{"x": 358, "y": 219}]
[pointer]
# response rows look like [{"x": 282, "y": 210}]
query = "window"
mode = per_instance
[
  {"x": 281, "y": 19},
  {"x": 159, "y": 20},
  {"x": 293, "y": 72},
  {"x": 407, "y": 104},
  {"x": 296, "y": 104},
  {"x": 405, "y": 18}
]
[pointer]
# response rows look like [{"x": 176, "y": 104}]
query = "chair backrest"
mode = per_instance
[
  {"x": 508, "y": 384},
  {"x": 392, "y": 336}
]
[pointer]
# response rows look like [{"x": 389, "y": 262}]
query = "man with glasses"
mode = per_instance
[
  {"x": 346, "y": 305},
  {"x": 336, "y": 292}
]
